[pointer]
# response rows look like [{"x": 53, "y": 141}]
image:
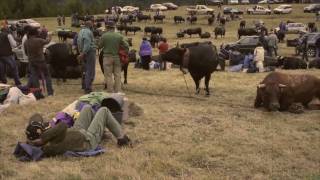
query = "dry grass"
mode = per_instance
[{"x": 181, "y": 137}]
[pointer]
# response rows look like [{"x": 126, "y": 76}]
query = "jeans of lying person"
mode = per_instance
[
  {"x": 10, "y": 62},
  {"x": 40, "y": 71},
  {"x": 112, "y": 73},
  {"x": 92, "y": 124},
  {"x": 248, "y": 62}
]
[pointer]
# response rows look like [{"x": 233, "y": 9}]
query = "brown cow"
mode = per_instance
[{"x": 280, "y": 91}]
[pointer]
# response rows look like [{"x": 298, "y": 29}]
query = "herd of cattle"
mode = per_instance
[{"x": 64, "y": 63}]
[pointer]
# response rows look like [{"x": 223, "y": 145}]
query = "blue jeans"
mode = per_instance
[
  {"x": 12, "y": 64},
  {"x": 248, "y": 62},
  {"x": 89, "y": 69},
  {"x": 40, "y": 71}
]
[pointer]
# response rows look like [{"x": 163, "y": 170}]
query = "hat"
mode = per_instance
[
  {"x": 35, "y": 127},
  {"x": 114, "y": 103}
]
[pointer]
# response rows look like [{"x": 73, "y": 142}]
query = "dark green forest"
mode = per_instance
[{"x": 46, "y": 8}]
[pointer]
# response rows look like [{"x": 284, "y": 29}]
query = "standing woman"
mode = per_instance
[{"x": 145, "y": 53}]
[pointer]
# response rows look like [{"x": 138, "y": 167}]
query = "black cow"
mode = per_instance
[
  {"x": 205, "y": 35},
  {"x": 155, "y": 39},
  {"x": 178, "y": 19},
  {"x": 180, "y": 34},
  {"x": 192, "y": 19},
  {"x": 121, "y": 28},
  {"x": 242, "y": 24},
  {"x": 159, "y": 18},
  {"x": 211, "y": 20},
  {"x": 191, "y": 31},
  {"x": 63, "y": 63},
  {"x": 143, "y": 17},
  {"x": 133, "y": 29},
  {"x": 64, "y": 35},
  {"x": 124, "y": 67},
  {"x": 281, "y": 35},
  {"x": 201, "y": 61},
  {"x": 247, "y": 32},
  {"x": 219, "y": 30},
  {"x": 153, "y": 30},
  {"x": 292, "y": 63}
]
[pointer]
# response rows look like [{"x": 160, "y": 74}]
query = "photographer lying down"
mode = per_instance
[{"x": 92, "y": 114}]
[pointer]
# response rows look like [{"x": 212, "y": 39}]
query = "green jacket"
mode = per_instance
[
  {"x": 110, "y": 43},
  {"x": 94, "y": 97},
  {"x": 86, "y": 41}
]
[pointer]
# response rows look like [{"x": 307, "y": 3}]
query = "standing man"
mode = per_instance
[
  {"x": 63, "y": 20},
  {"x": 7, "y": 43},
  {"x": 163, "y": 48},
  {"x": 59, "y": 20},
  {"x": 87, "y": 51},
  {"x": 272, "y": 44},
  {"x": 110, "y": 43},
  {"x": 304, "y": 45},
  {"x": 37, "y": 64}
]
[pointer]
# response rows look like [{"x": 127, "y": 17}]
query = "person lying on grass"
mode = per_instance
[{"x": 86, "y": 134}]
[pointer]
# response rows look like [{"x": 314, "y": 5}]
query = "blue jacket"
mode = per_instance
[
  {"x": 86, "y": 41},
  {"x": 145, "y": 49}
]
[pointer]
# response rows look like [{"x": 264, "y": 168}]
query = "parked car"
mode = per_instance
[
  {"x": 244, "y": 2},
  {"x": 258, "y": 10},
  {"x": 200, "y": 9},
  {"x": 270, "y": 1},
  {"x": 244, "y": 45},
  {"x": 170, "y": 6},
  {"x": 215, "y": 2},
  {"x": 229, "y": 10},
  {"x": 312, "y": 8},
  {"x": 129, "y": 9},
  {"x": 30, "y": 22},
  {"x": 155, "y": 7},
  {"x": 311, "y": 41},
  {"x": 233, "y": 2},
  {"x": 283, "y": 9},
  {"x": 294, "y": 28}
]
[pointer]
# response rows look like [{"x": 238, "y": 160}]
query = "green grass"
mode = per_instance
[{"x": 182, "y": 137}]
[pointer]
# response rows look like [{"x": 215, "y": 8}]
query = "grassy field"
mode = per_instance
[{"x": 182, "y": 137}]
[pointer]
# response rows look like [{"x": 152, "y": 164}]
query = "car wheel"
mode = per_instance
[{"x": 311, "y": 52}]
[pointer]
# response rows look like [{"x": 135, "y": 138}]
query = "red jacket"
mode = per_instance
[{"x": 163, "y": 47}]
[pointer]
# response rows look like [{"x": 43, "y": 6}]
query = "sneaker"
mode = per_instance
[{"x": 125, "y": 141}]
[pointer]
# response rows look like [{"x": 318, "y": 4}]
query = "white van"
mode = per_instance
[{"x": 233, "y": 1}]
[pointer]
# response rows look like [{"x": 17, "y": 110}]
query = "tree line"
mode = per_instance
[{"x": 15, "y": 9}]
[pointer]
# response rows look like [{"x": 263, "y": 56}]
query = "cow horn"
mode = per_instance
[
  {"x": 261, "y": 86},
  {"x": 282, "y": 86}
]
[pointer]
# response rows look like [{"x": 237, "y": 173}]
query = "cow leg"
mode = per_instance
[
  {"x": 258, "y": 101},
  {"x": 196, "y": 80},
  {"x": 125, "y": 72},
  {"x": 207, "y": 80}
]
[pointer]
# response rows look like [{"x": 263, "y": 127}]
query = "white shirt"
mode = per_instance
[
  {"x": 12, "y": 42},
  {"x": 24, "y": 39}
]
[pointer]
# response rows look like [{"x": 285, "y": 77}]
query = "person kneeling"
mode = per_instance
[{"x": 86, "y": 134}]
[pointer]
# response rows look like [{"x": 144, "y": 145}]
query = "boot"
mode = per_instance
[{"x": 125, "y": 141}]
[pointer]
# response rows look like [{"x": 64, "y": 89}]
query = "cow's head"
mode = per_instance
[
  {"x": 174, "y": 55},
  {"x": 271, "y": 94}
]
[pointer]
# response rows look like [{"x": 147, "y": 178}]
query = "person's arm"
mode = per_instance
[
  {"x": 58, "y": 131},
  {"x": 12, "y": 42},
  {"x": 86, "y": 44},
  {"x": 100, "y": 45}
]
